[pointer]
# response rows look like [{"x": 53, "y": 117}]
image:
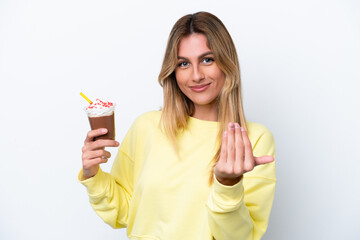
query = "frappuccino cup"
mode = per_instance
[{"x": 101, "y": 115}]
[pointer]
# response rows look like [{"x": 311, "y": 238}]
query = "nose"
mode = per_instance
[{"x": 198, "y": 75}]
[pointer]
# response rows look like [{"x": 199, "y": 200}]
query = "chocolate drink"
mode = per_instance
[
  {"x": 101, "y": 115},
  {"x": 104, "y": 122}
]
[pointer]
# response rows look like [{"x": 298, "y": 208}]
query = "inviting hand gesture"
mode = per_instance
[{"x": 236, "y": 157}]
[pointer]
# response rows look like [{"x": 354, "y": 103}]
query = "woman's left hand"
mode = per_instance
[{"x": 236, "y": 156}]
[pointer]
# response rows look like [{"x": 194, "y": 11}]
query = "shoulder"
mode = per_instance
[
  {"x": 261, "y": 137},
  {"x": 257, "y": 129},
  {"x": 151, "y": 118},
  {"x": 145, "y": 123},
  {"x": 144, "y": 126},
  {"x": 263, "y": 144}
]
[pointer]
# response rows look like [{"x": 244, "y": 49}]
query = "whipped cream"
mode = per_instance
[{"x": 100, "y": 108}]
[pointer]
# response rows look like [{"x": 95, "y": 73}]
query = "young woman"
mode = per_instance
[{"x": 196, "y": 169}]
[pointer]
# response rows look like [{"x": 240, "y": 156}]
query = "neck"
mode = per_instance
[{"x": 206, "y": 112}]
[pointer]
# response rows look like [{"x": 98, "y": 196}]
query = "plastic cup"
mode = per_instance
[{"x": 106, "y": 121}]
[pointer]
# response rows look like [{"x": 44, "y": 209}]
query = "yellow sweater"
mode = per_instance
[{"x": 158, "y": 194}]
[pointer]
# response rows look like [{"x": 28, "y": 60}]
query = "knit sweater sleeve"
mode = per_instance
[{"x": 242, "y": 211}]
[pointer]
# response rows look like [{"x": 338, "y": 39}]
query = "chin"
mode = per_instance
[{"x": 203, "y": 101}]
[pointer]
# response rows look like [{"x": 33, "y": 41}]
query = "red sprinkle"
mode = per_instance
[{"x": 99, "y": 103}]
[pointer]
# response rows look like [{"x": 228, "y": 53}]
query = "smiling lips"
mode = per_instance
[{"x": 200, "y": 88}]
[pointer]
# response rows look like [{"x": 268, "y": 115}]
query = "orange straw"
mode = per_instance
[{"x": 86, "y": 98}]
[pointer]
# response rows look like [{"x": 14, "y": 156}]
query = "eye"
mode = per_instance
[
  {"x": 208, "y": 60},
  {"x": 183, "y": 64}
]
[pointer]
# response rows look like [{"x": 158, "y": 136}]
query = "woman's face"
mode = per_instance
[{"x": 197, "y": 74}]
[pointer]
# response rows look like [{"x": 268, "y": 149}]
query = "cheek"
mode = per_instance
[
  {"x": 180, "y": 78},
  {"x": 219, "y": 76},
  {"x": 222, "y": 79},
  {"x": 177, "y": 76}
]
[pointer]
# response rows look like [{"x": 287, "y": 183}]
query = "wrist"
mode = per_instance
[{"x": 229, "y": 181}]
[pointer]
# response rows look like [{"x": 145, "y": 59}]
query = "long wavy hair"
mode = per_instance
[{"x": 177, "y": 107}]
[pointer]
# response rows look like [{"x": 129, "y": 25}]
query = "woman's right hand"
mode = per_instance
[{"x": 94, "y": 153}]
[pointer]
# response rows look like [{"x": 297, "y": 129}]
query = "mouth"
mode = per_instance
[{"x": 200, "y": 88}]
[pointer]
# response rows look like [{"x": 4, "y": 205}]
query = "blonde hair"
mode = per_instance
[{"x": 177, "y": 107}]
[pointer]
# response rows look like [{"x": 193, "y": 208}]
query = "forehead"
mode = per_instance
[{"x": 193, "y": 45}]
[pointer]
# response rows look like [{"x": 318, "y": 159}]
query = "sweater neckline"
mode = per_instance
[{"x": 202, "y": 124}]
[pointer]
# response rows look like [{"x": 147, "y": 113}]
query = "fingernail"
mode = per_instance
[
  {"x": 243, "y": 129},
  {"x": 237, "y": 125},
  {"x": 117, "y": 143},
  {"x": 231, "y": 125},
  {"x": 104, "y": 130},
  {"x": 225, "y": 134}
]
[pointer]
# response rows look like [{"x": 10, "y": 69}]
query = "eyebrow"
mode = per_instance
[{"x": 201, "y": 56}]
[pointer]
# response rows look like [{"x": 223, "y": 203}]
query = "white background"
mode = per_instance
[{"x": 300, "y": 70}]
